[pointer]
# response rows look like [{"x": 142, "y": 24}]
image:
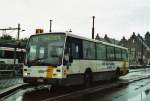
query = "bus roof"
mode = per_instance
[{"x": 84, "y": 38}]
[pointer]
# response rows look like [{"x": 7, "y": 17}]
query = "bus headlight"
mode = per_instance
[
  {"x": 59, "y": 75},
  {"x": 25, "y": 74}
]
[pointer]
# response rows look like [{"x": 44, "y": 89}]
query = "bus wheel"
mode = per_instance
[
  {"x": 87, "y": 78},
  {"x": 24, "y": 80},
  {"x": 117, "y": 74}
]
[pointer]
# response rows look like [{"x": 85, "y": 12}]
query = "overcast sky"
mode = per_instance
[{"x": 116, "y": 18}]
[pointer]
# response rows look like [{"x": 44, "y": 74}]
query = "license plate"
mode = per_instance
[
  {"x": 41, "y": 71},
  {"x": 40, "y": 80}
]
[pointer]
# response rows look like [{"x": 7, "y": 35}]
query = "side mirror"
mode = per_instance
[{"x": 70, "y": 59}]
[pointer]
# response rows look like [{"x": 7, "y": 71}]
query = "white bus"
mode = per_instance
[{"x": 61, "y": 58}]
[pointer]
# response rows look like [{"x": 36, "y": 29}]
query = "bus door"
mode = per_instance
[{"x": 74, "y": 50}]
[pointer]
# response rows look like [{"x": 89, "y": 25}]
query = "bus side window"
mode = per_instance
[
  {"x": 124, "y": 55},
  {"x": 110, "y": 53},
  {"x": 89, "y": 50},
  {"x": 68, "y": 46},
  {"x": 118, "y": 53},
  {"x": 101, "y": 51},
  {"x": 66, "y": 56},
  {"x": 75, "y": 50},
  {"x": 67, "y": 51},
  {"x": 2, "y": 52},
  {"x": 9, "y": 54},
  {"x": 74, "y": 47}
]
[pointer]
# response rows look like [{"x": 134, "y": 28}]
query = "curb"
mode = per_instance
[
  {"x": 142, "y": 78},
  {"x": 11, "y": 89}
]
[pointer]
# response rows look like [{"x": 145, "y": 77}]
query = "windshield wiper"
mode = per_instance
[{"x": 36, "y": 60}]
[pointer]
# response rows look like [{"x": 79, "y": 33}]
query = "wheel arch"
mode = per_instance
[{"x": 89, "y": 70}]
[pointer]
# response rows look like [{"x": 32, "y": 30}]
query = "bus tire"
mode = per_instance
[
  {"x": 117, "y": 74},
  {"x": 88, "y": 78},
  {"x": 26, "y": 80}
]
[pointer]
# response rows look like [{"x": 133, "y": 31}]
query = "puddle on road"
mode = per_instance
[{"x": 141, "y": 96}]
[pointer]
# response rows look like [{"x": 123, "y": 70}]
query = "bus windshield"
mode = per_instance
[{"x": 46, "y": 49}]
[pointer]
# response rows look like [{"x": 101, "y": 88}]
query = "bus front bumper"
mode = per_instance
[{"x": 40, "y": 80}]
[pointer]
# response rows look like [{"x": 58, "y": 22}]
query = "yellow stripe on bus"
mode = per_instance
[
  {"x": 125, "y": 68},
  {"x": 50, "y": 72}
]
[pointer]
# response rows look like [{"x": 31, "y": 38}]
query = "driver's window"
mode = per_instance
[
  {"x": 59, "y": 51},
  {"x": 53, "y": 52}
]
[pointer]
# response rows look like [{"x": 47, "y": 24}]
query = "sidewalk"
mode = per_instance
[
  {"x": 9, "y": 82},
  {"x": 137, "y": 74}
]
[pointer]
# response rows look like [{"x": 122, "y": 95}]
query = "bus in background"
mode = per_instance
[
  {"x": 61, "y": 58},
  {"x": 7, "y": 55},
  {"x": 11, "y": 62}
]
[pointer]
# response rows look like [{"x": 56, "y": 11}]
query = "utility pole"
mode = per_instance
[
  {"x": 93, "y": 27},
  {"x": 18, "y": 35},
  {"x": 18, "y": 29},
  {"x": 50, "y": 30},
  {"x": 18, "y": 32}
]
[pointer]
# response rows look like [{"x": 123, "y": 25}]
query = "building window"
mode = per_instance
[{"x": 124, "y": 55}]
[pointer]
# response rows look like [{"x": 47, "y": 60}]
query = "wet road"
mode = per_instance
[{"x": 137, "y": 91}]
